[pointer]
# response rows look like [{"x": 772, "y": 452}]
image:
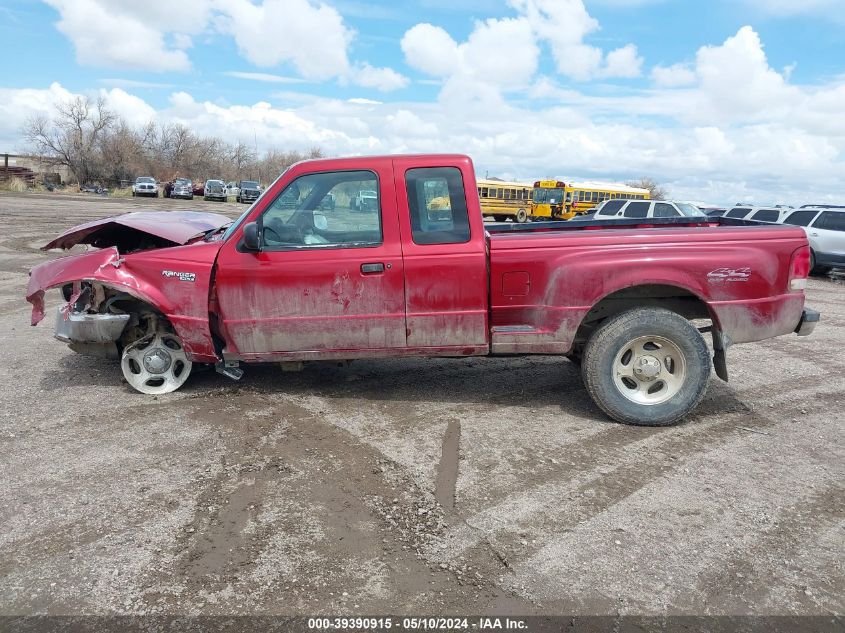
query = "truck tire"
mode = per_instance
[
  {"x": 521, "y": 216},
  {"x": 647, "y": 366}
]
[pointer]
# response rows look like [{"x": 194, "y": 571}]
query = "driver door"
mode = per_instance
[{"x": 329, "y": 277}]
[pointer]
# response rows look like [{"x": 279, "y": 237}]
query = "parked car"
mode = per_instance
[
  {"x": 641, "y": 209},
  {"x": 87, "y": 188},
  {"x": 300, "y": 284},
  {"x": 198, "y": 188},
  {"x": 772, "y": 215},
  {"x": 364, "y": 200},
  {"x": 214, "y": 190},
  {"x": 145, "y": 186},
  {"x": 328, "y": 203},
  {"x": 232, "y": 189},
  {"x": 182, "y": 188},
  {"x": 248, "y": 191},
  {"x": 825, "y": 229}
]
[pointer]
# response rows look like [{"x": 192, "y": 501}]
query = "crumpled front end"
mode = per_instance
[
  {"x": 151, "y": 272},
  {"x": 104, "y": 306}
]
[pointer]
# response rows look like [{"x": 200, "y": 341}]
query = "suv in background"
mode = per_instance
[
  {"x": 145, "y": 186},
  {"x": 642, "y": 209},
  {"x": 825, "y": 229},
  {"x": 214, "y": 190},
  {"x": 248, "y": 191},
  {"x": 771, "y": 215}
]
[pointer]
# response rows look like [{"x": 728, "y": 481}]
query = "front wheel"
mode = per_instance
[
  {"x": 647, "y": 366},
  {"x": 156, "y": 364}
]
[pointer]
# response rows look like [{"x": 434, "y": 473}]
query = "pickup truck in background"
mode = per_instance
[{"x": 411, "y": 276}]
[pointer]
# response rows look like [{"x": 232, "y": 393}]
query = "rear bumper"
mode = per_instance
[{"x": 809, "y": 319}]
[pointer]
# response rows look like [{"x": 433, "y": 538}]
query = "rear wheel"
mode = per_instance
[
  {"x": 522, "y": 216},
  {"x": 647, "y": 366},
  {"x": 500, "y": 218}
]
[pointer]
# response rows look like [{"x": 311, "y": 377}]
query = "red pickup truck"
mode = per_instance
[{"x": 416, "y": 272}]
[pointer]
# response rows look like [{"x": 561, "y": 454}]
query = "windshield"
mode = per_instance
[
  {"x": 246, "y": 184},
  {"x": 213, "y": 182},
  {"x": 144, "y": 179},
  {"x": 234, "y": 226},
  {"x": 182, "y": 181},
  {"x": 550, "y": 196},
  {"x": 689, "y": 210}
]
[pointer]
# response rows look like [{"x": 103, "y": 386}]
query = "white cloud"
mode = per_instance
[
  {"x": 430, "y": 49},
  {"x": 313, "y": 38},
  {"x": 155, "y": 35},
  {"x": 122, "y": 35},
  {"x": 498, "y": 53},
  {"x": 672, "y": 76},
  {"x": 623, "y": 62},
  {"x": 504, "y": 51},
  {"x": 382, "y": 79}
]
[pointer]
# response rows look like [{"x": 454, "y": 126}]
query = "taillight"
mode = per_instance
[{"x": 799, "y": 268}]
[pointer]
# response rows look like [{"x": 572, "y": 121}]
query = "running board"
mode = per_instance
[{"x": 230, "y": 370}]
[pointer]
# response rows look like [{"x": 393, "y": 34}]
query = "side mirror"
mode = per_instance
[{"x": 252, "y": 237}]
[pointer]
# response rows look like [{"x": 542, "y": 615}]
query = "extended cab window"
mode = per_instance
[
  {"x": 328, "y": 210},
  {"x": 800, "y": 218},
  {"x": 437, "y": 205}
]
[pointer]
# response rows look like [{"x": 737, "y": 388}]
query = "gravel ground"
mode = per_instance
[{"x": 408, "y": 486}]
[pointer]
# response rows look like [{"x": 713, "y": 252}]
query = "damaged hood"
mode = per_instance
[{"x": 140, "y": 230}]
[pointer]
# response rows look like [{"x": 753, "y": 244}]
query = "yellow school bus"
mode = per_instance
[
  {"x": 557, "y": 200},
  {"x": 502, "y": 200}
]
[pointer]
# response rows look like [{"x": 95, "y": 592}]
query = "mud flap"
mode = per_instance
[{"x": 721, "y": 342}]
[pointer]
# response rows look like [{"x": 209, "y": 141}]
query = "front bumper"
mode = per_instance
[
  {"x": 809, "y": 319},
  {"x": 79, "y": 327},
  {"x": 182, "y": 194}
]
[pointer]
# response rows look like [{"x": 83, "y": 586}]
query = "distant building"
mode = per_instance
[{"x": 31, "y": 168}]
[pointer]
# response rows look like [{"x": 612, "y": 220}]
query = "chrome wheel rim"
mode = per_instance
[
  {"x": 155, "y": 364},
  {"x": 649, "y": 370}
]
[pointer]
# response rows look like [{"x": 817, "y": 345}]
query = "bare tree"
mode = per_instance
[
  {"x": 99, "y": 146},
  {"x": 654, "y": 188},
  {"x": 73, "y": 137}
]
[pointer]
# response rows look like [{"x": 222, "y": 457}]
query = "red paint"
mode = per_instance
[
  {"x": 175, "y": 226},
  {"x": 519, "y": 292}
]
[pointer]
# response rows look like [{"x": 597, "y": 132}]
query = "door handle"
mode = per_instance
[
  {"x": 372, "y": 269},
  {"x": 814, "y": 234}
]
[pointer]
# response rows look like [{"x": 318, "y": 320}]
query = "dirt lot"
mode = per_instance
[{"x": 408, "y": 486}]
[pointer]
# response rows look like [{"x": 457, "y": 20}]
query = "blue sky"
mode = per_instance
[{"x": 720, "y": 100}]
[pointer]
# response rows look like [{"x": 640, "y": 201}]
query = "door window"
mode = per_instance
[
  {"x": 437, "y": 205},
  {"x": 831, "y": 221},
  {"x": 766, "y": 215},
  {"x": 800, "y": 218},
  {"x": 663, "y": 210},
  {"x": 637, "y": 210},
  {"x": 327, "y": 210}
]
